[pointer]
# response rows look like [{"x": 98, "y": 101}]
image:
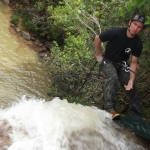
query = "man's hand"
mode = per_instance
[
  {"x": 99, "y": 58},
  {"x": 129, "y": 86}
]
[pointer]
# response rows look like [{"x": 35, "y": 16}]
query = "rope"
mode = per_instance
[{"x": 88, "y": 74}]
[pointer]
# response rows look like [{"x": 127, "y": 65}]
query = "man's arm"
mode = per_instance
[
  {"x": 97, "y": 43},
  {"x": 98, "y": 54},
  {"x": 133, "y": 67}
]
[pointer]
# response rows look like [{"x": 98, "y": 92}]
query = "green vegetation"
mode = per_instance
[{"x": 72, "y": 25}]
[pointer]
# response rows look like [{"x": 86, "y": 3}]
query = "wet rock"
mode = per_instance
[
  {"x": 38, "y": 43},
  {"x": 26, "y": 35},
  {"x": 43, "y": 48},
  {"x": 7, "y": 2},
  {"x": 12, "y": 25},
  {"x": 33, "y": 36},
  {"x": 42, "y": 55},
  {"x": 17, "y": 29},
  {"x": 48, "y": 44}
]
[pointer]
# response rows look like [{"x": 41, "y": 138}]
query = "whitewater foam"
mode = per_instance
[{"x": 34, "y": 124}]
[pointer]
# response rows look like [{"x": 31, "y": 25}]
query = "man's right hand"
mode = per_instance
[{"x": 99, "y": 58}]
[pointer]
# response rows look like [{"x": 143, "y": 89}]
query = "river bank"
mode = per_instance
[{"x": 42, "y": 47}]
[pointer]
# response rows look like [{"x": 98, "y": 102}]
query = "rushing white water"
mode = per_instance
[{"x": 58, "y": 125}]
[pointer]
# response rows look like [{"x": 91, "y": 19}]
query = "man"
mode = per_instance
[{"x": 122, "y": 42}]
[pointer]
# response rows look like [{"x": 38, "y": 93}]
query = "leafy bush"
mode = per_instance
[{"x": 15, "y": 18}]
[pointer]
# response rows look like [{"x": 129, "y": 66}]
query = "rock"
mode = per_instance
[
  {"x": 17, "y": 29},
  {"x": 38, "y": 43},
  {"x": 43, "y": 48},
  {"x": 6, "y": 2},
  {"x": 33, "y": 36},
  {"x": 48, "y": 44},
  {"x": 42, "y": 55},
  {"x": 26, "y": 35}
]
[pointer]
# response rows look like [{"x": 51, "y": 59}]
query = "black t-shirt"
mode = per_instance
[{"x": 119, "y": 46}]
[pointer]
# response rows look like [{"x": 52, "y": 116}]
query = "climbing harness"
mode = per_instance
[{"x": 123, "y": 64}]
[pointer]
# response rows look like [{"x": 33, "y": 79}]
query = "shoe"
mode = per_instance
[{"x": 115, "y": 115}]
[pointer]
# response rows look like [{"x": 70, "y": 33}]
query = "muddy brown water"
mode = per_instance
[{"x": 21, "y": 70}]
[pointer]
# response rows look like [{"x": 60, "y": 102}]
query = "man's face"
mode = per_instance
[{"x": 135, "y": 27}]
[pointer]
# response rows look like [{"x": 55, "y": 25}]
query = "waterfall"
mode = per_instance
[{"x": 36, "y": 124}]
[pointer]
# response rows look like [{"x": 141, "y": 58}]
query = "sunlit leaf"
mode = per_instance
[
  {"x": 134, "y": 2},
  {"x": 142, "y": 2},
  {"x": 121, "y": 11},
  {"x": 128, "y": 6},
  {"x": 147, "y": 22}
]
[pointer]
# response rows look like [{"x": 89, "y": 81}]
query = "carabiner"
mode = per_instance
[{"x": 125, "y": 65}]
